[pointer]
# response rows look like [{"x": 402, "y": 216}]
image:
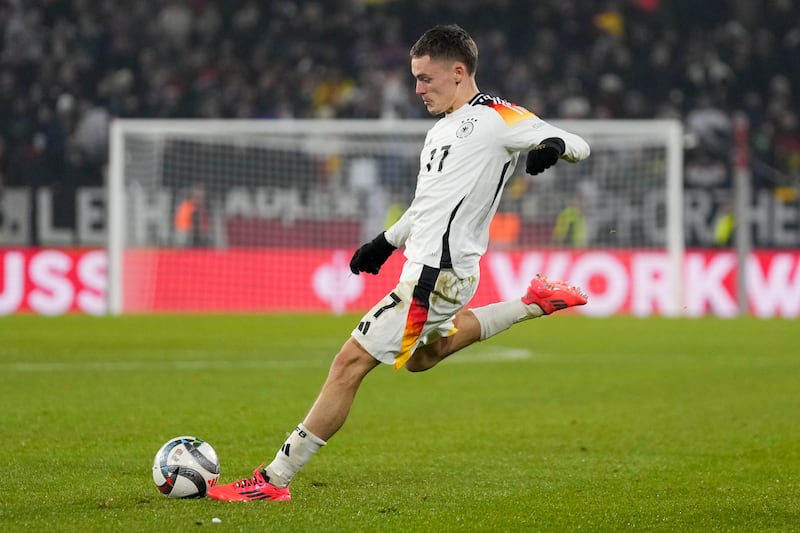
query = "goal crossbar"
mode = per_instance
[{"x": 343, "y": 139}]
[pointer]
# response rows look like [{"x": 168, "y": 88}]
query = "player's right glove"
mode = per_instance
[
  {"x": 371, "y": 256},
  {"x": 545, "y": 155}
]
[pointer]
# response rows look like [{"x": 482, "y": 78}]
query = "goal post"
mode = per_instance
[
  {"x": 655, "y": 149},
  {"x": 261, "y": 215}
]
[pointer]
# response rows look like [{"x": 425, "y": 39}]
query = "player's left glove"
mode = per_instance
[
  {"x": 545, "y": 155},
  {"x": 371, "y": 256}
]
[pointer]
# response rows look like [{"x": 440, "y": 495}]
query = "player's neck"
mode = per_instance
[{"x": 465, "y": 92}]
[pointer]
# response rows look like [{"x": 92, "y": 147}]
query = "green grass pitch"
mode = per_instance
[{"x": 560, "y": 424}]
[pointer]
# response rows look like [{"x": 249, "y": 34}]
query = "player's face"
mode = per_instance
[{"x": 436, "y": 83}]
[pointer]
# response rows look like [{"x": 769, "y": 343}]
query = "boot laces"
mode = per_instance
[{"x": 256, "y": 479}]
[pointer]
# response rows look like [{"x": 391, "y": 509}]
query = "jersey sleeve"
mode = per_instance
[
  {"x": 399, "y": 231},
  {"x": 575, "y": 147},
  {"x": 520, "y": 130}
]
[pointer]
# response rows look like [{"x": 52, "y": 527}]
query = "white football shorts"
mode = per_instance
[{"x": 417, "y": 312}]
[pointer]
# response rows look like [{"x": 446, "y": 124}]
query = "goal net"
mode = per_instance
[{"x": 254, "y": 216}]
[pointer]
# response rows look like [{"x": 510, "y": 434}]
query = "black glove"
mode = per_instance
[
  {"x": 371, "y": 256},
  {"x": 544, "y": 156}
]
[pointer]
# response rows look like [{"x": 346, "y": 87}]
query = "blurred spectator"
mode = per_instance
[
  {"x": 570, "y": 227},
  {"x": 504, "y": 230},
  {"x": 711, "y": 127},
  {"x": 67, "y": 67},
  {"x": 702, "y": 169},
  {"x": 192, "y": 221}
]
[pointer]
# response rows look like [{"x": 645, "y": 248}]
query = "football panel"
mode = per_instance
[
  {"x": 189, "y": 484},
  {"x": 206, "y": 458}
]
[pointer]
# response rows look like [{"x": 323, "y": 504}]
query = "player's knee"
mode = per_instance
[
  {"x": 425, "y": 358},
  {"x": 416, "y": 365}
]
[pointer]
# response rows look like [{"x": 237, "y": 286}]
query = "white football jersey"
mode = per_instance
[{"x": 467, "y": 158}]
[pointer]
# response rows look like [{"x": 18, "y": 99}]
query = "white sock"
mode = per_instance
[
  {"x": 298, "y": 449},
  {"x": 498, "y": 317}
]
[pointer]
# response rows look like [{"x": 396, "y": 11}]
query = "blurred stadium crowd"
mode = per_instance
[{"x": 68, "y": 66}]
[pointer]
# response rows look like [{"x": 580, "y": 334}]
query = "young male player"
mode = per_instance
[{"x": 467, "y": 157}]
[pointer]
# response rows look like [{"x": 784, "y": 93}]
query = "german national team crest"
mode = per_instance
[{"x": 464, "y": 129}]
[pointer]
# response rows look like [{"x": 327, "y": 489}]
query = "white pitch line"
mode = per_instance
[
  {"x": 488, "y": 355},
  {"x": 159, "y": 366},
  {"x": 495, "y": 354}
]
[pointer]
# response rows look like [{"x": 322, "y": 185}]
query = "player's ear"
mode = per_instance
[{"x": 459, "y": 72}]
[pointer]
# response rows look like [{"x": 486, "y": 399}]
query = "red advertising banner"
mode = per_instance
[
  {"x": 52, "y": 281},
  {"x": 57, "y": 281}
]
